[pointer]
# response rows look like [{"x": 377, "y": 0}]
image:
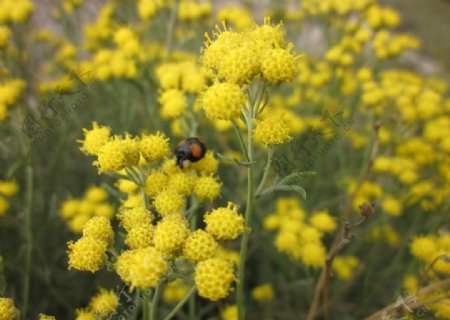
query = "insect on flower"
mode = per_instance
[{"x": 189, "y": 150}]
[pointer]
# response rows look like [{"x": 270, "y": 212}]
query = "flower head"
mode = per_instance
[
  {"x": 223, "y": 101},
  {"x": 134, "y": 217},
  {"x": 225, "y": 223},
  {"x": 207, "y": 188},
  {"x": 104, "y": 303},
  {"x": 140, "y": 236},
  {"x": 154, "y": 147},
  {"x": 199, "y": 246},
  {"x": 213, "y": 278},
  {"x": 87, "y": 254},
  {"x": 7, "y": 309},
  {"x": 141, "y": 268},
  {"x": 168, "y": 202},
  {"x": 271, "y": 131},
  {"x": 117, "y": 153},
  {"x": 98, "y": 228},
  {"x": 94, "y": 139},
  {"x": 170, "y": 234}
]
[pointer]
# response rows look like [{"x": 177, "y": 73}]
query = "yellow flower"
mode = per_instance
[
  {"x": 70, "y": 208},
  {"x": 230, "y": 313},
  {"x": 7, "y": 309},
  {"x": 170, "y": 234},
  {"x": 8, "y": 187},
  {"x": 141, "y": 268},
  {"x": 140, "y": 236},
  {"x": 313, "y": 255},
  {"x": 181, "y": 182},
  {"x": 117, "y": 153},
  {"x": 99, "y": 228},
  {"x": 175, "y": 291},
  {"x": 224, "y": 223},
  {"x": 168, "y": 202},
  {"x": 263, "y": 292},
  {"x": 200, "y": 246},
  {"x": 134, "y": 217},
  {"x": 207, "y": 188},
  {"x": 278, "y": 66},
  {"x": 173, "y": 103},
  {"x": 345, "y": 266},
  {"x": 127, "y": 186},
  {"x": 147, "y": 9},
  {"x": 223, "y": 101},
  {"x": 104, "y": 210},
  {"x": 207, "y": 165},
  {"x": 87, "y": 254},
  {"x": 46, "y": 317},
  {"x": 392, "y": 206},
  {"x": 76, "y": 224},
  {"x": 94, "y": 139},
  {"x": 239, "y": 65},
  {"x": 85, "y": 315},
  {"x": 155, "y": 183},
  {"x": 424, "y": 247},
  {"x": 154, "y": 147},
  {"x": 240, "y": 17},
  {"x": 271, "y": 131},
  {"x": 5, "y": 34},
  {"x": 323, "y": 221},
  {"x": 96, "y": 194},
  {"x": 213, "y": 278},
  {"x": 4, "y": 206},
  {"x": 104, "y": 303}
]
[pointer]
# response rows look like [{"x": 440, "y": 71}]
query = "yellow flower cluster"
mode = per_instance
[
  {"x": 10, "y": 92},
  {"x": 193, "y": 10},
  {"x": 46, "y": 317},
  {"x": 101, "y": 306},
  {"x": 213, "y": 278},
  {"x": 116, "y": 152},
  {"x": 263, "y": 292},
  {"x": 239, "y": 17},
  {"x": 7, "y": 309},
  {"x": 142, "y": 268},
  {"x": 296, "y": 237},
  {"x": 432, "y": 250},
  {"x": 89, "y": 252},
  {"x": 271, "y": 131},
  {"x": 147, "y": 9},
  {"x": 175, "y": 291},
  {"x": 345, "y": 266},
  {"x": 76, "y": 212},
  {"x": 237, "y": 58},
  {"x": 225, "y": 223},
  {"x": 15, "y": 11},
  {"x": 8, "y": 188}
]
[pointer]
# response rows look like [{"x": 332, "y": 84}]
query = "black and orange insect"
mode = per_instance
[{"x": 189, "y": 150}]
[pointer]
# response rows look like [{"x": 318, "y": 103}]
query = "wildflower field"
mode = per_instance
[{"x": 183, "y": 159}]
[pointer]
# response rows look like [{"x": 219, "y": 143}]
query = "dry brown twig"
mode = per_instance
[{"x": 367, "y": 211}]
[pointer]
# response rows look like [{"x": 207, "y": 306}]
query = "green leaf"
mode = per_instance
[
  {"x": 296, "y": 177},
  {"x": 293, "y": 188}
]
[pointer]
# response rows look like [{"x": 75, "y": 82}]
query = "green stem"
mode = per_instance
[
  {"x": 28, "y": 237},
  {"x": 155, "y": 302},
  {"x": 180, "y": 304},
  {"x": 248, "y": 212},
  {"x": 241, "y": 141},
  {"x": 145, "y": 306},
  {"x": 266, "y": 171},
  {"x": 170, "y": 27}
]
